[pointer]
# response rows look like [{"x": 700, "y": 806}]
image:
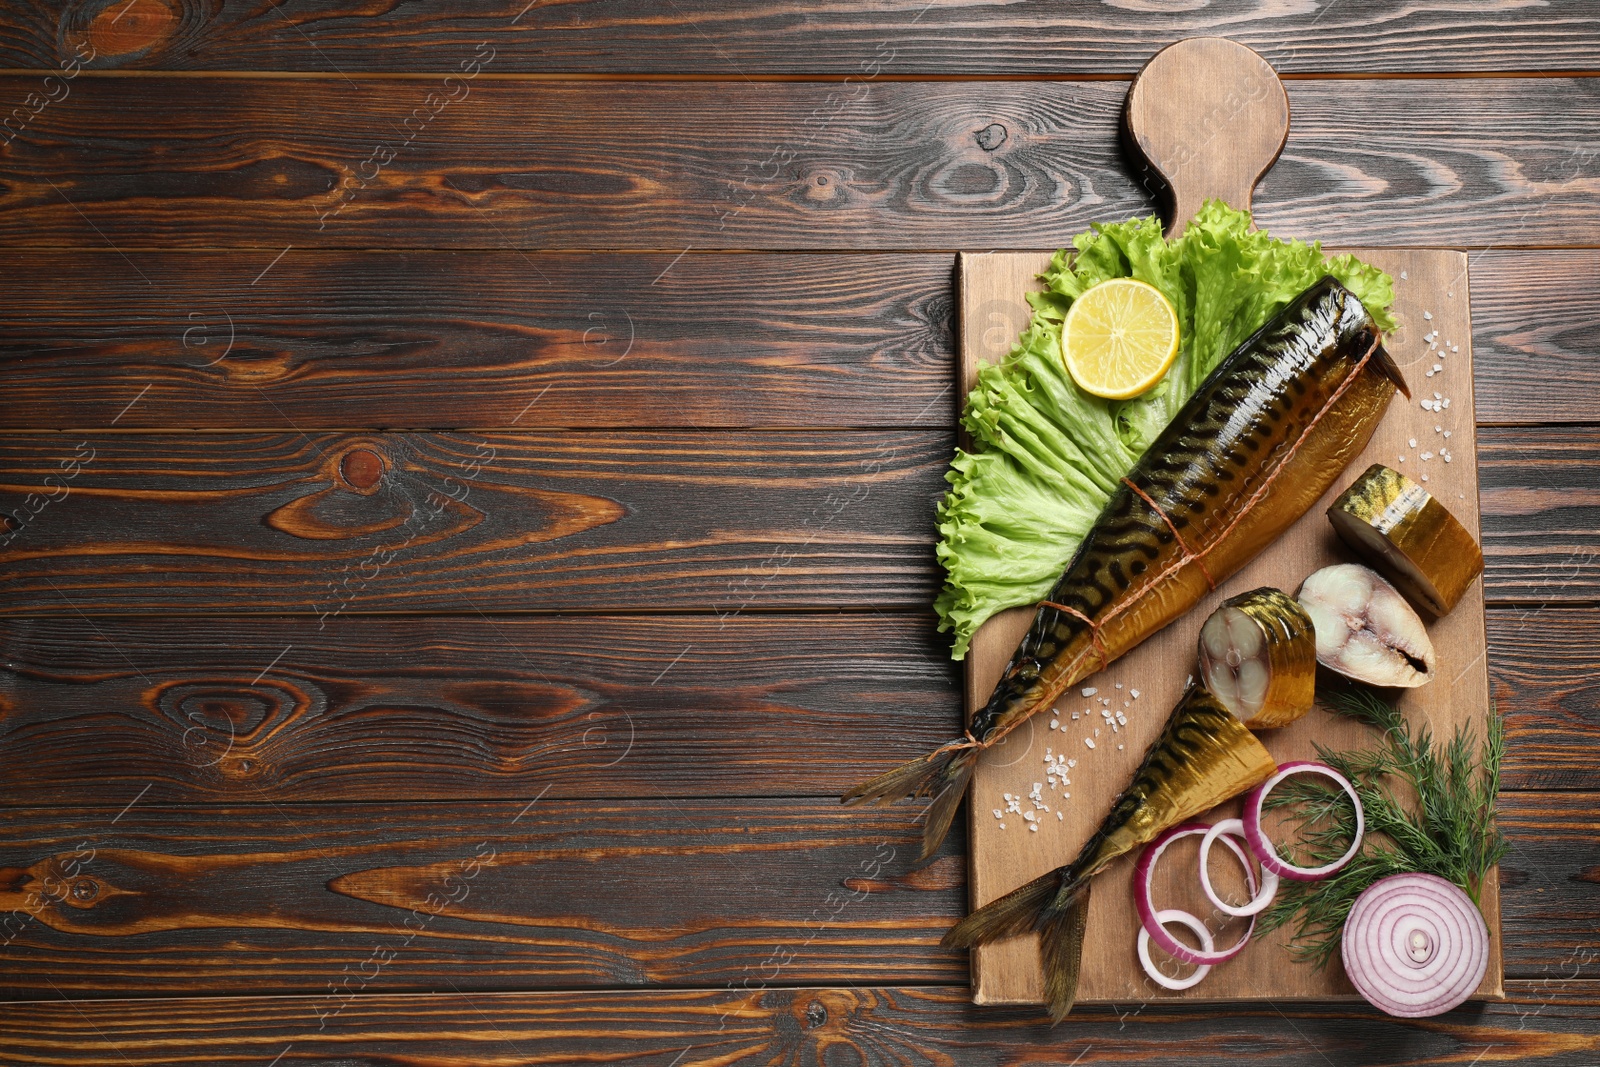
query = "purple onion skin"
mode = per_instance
[{"x": 1415, "y": 945}]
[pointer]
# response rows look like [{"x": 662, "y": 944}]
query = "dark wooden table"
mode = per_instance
[{"x": 469, "y": 474}]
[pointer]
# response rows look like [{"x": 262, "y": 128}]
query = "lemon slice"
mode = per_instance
[{"x": 1119, "y": 338}]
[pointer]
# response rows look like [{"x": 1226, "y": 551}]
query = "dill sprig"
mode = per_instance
[{"x": 1427, "y": 808}]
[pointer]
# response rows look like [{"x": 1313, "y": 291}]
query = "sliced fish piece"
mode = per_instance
[
  {"x": 1365, "y": 628},
  {"x": 1399, "y": 528},
  {"x": 1258, "y": 654}
]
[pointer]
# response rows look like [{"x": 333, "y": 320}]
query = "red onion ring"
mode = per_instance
[
  {"x": 1415, "y": 945},
  {"x": 1150, "y": 919},
  {"x": 1262, "y": 847},
  {"x": 1269, "y": 879},
  {"x": 1173, "y": 915}
]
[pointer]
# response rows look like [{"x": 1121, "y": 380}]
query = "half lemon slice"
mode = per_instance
[{"x": 1119, "y": 338}]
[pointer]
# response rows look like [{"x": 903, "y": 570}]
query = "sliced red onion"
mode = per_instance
[
  {"x": 1415, "y": 945},
  {"x": 1173, "y": 915},
  {"x": 1150, "y": 919},
  {"x": 1262, "y": 847},
  {"x": 1269, "y": 879}
]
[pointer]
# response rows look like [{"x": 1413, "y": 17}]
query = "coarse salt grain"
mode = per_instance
[
  {"x": 1135, "y": 693},
  {"x": 1424, "y": 477},
  {"x": 1089, "y": 741},
  {"x": 1089, "y": 690},
  {"x": 1412, "y": 442},
  {"x": 1060, "y": 815},
  {"x": 1055, "y": 724},
  {"x": 1034, "y": 827},
  {"x": 1428, "y": 315},
  {"x": 1402, "y": 275}
]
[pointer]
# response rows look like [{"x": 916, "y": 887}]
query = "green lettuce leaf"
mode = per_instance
[{"x": 1046, "y": 455}]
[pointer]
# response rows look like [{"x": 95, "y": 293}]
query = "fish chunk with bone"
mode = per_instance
[{"x": 1365, "y": 628}]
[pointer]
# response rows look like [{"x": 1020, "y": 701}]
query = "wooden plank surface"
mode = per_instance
[
  {"x": 723, "y": 39},
  {"x": 1545, "y": 1023},
  {"x": 353, "y": 340},
  {"x": 462, "y": 707},
  {"x": 718, "y": 522},
  {"x": 146, "y": 899},
  {"x": 362, "y": 341},
  {"x": 455, "y": 708},
  {"x": 338, "y": 524},
  {"x": 272, "y": 163}
]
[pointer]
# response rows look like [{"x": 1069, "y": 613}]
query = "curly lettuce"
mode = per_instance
[{"x": 1046, "y": 455}]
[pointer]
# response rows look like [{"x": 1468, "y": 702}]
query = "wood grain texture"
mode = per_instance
[
  {"x": 728, "y": 39},
  {"x": 1179, "y": 103},
  {"x": 722, "y": 521},
  {"x": 338, "y": 901},
  {"x": 266, "y": 898},
  {"x": 1538, "y": 494},
  {"x": 726, "y": 522},
  {"x": 269, "y": 163},
  {"x": 442, "y": 708},
  {"x": 1547, "y": 684},
  {"x": 1536, "y": 335},
  {"x": 455, "y": 708},
  {"x": 350, "y": 340},
  {"x": 1545, "y": 1023}
]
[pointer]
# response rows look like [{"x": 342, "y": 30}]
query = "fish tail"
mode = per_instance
[
  {"x": 1061, "y": 949},
  {"x": 942, "y": 774},
  {"x": 1056, "y": 912}
]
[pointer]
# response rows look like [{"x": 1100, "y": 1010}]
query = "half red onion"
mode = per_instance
[
  {"x": 1173, "y": 915},
  {"x": 1415, "y": 945},
  {"x": 1262, "y": 847},
  {"x": 1150, "y": 919},
  {"x": 1269, "y": 879}
]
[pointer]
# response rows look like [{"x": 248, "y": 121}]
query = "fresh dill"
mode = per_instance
[{"x": 1441, "y": 820}]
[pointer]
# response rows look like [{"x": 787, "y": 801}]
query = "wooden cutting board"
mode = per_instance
[{"x": 1211, "y": 116}]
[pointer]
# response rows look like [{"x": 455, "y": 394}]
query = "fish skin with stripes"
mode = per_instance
[{"x": 1252, "y": 450}]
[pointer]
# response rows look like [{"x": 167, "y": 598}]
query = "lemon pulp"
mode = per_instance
[{"x": 1119, "y": 338}]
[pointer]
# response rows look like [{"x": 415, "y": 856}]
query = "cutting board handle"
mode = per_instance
[{"x": 1209, "y": 116}]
